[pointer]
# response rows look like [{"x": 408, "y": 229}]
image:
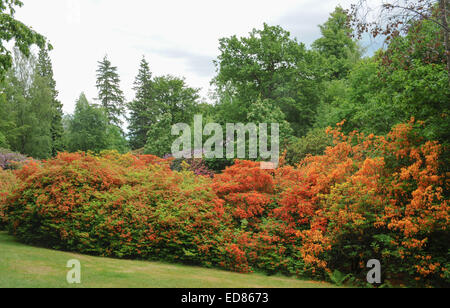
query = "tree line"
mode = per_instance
[{"x": 267, "y": 76}]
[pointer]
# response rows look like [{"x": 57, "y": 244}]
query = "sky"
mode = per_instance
[{"x": 177, "y": 37}]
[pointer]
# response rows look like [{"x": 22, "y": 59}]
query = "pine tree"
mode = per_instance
[
  {"x": 109, "y": 93},
  {"x": 45, "y": 70},
  {"x": 142, "y": 108}
]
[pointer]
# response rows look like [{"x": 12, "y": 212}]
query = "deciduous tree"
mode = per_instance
[
  {"x": 271, "y": 65},
  {"x": 337, "y": 46},
  {"x": 88, "y": 128},
  {"x": 12, "y": 29},
  {"x": 174, "y": 102},
  {"x": 395, "y": 17}
]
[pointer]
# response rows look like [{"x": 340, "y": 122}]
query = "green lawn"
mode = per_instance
[{"x": 25, "y": 266}]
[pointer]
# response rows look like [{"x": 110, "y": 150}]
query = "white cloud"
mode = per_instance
[{"x": 178, "y": 37}]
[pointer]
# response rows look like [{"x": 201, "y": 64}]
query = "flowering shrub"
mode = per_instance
[
  {"x": 114, "y": 205},
  {"x": 7, "y": 183},
  {"x": 366, "y": 197},
  {"x": 196, "y": 165},
  {"x": 10, "y": 160},
  {"x": 375, "y": 198}
]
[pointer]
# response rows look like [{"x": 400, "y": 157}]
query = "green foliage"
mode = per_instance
[
  {"x": 5, "y": 121},
  {"x": 116, "y": 140},
  {"x": 160, "y": 138},
  {"x": 88, "y": 128},
  {"x": 360, "y": 100},
  {"x": 45, "y": 70},
  {"x": 27, "y": 104},
  {"x": 3, "y": 143},
  {"x": 422, "y": 92},
  {"x": 390, "y": 88},
  {"x": 270, "y": 65},
  {"x": 339, "y": 49},
  {"x": 143, "y": 108},
  {"x": 314, "y": 143},
  {"x": 174, "y": 102},
  {"x": 11, "y": 29},
  {"x": 267, "y": 112},
  {"x": 40, "y": 143},
  {"x": 339, "y": 278},
  {"x": 218, "y": 164}
]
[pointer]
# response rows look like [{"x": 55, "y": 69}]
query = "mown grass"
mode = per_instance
[{"x": 32, "y": 267}]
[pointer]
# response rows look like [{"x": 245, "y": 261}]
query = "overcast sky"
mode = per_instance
[{"x": 177, "y": 37}]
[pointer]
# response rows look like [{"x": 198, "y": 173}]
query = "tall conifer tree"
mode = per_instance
[
  {"x": 109, "y": 93},
  {"x": 45, "y": 70},
  {"x": 142, "y": 108}
]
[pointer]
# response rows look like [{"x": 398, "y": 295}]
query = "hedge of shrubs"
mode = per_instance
[{"x": 367, "y": 197}]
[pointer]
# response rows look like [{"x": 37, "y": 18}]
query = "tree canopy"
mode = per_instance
[{"x": 12, "y": 29}]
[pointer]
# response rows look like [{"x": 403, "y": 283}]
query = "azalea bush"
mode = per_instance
[
  {"x": 376, "y": 198},
  {"x": 8, "y": 182},
  {"x": 196, "y": 165},
  {"x": 367, "y": 197},
  {"x": 11, "y": 160},
  {"x": 114, "y": 205}
]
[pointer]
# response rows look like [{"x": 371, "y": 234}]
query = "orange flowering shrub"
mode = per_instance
[
  {"x": 249, "y": 196},
  {"x": 366, "y": 197},
  {"x": 417, "y": 211},
  {"x": 246, "y": 189},
  {"x": 115, "y": 205},
  {"x": 376, "y": 198},
  {"x": 7, "y": 183}
]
